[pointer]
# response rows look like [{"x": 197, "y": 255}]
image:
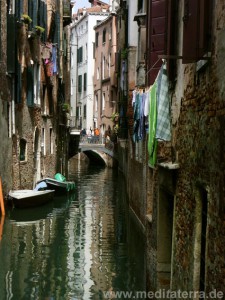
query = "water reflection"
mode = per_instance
[{"x": 75, "y": 247}]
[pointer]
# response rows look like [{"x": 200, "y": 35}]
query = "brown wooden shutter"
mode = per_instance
[
  {"x": 156, "y": 25},
  {"x": 190, "y": 34},
  {"x": 171, "y": 37},
  {"x": 196, "y": 29}
]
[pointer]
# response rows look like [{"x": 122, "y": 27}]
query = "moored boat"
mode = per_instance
[
  {"x": 30, "y": 198},
  {"x": 59, "y": 184}
]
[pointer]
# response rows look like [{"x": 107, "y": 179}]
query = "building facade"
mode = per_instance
[
  {"x": 36, "y": 122},
  {"x": 177, "y": 195},
  {"x": 105, "y": 80},
  {"x": 82, "y": 63}
]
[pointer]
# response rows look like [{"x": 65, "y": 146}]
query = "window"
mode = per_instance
[
  {"x": 51, "y": 140},
  {"x": 96, "y": 39},
  {"x": 43, "y": 150},
  {"x": 103, "y": 101},
  {"x": 80, "y": 83},
  {"x": 37, "y": 84},
  {"x": 85, "y": 81},
  {"x": 23, "y": 149},
  {"x": 104, "y": 36},
  {"x": 98, "y": 73},
  {"x": 96, "y": 103},
  {"x": 85, "y": 111},
  {"x": 71, "y": 87},
  {"x": 80, "y": 55},
  {"x": 103, "y": 68},
  {"x": 86, "y": 52},
  {"x": 30, "y": 86}
]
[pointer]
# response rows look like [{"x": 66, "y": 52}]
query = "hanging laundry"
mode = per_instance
[
  {"x": 163, "y": 129},
  {"x": 134, "y": 93},
  {"x": 136, "y": 118},
  {"x": 49, "y": 69},
  {"x": 142, "y": 116},
  {"x": 152, "y": 142},
  {"x": 54, "y": 60}
]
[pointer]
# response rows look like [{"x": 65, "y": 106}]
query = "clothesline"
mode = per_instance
[{"x": 152, "y": 113}]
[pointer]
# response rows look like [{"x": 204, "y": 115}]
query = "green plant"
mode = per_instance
[
  {"x": 65, "y": 107},
  {"x": 115, "y": 117},
  {"x": 124, "y": 53},
  {"x": 26, "y": 19},
  {"x": 39, "y": 29}
]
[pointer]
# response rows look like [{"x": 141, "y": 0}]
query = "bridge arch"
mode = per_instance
[{"x": 99, "y": 157}]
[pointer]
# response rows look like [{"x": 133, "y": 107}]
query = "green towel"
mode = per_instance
[{"x": 152, "y": 142}]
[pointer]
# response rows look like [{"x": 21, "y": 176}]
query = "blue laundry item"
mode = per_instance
[
  {"x": 40, "y": 186},
  {"x": 54, "y": 60}
]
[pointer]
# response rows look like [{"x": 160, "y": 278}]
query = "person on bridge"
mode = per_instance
[{"x": 97, "y": 131}]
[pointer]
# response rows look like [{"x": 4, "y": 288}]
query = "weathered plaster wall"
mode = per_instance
[{"x": 199, "y": 143}]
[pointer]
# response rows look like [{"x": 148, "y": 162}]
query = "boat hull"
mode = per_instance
[
  {"x": 30, "y": 198},
  {"x": 60, "y": 187}
]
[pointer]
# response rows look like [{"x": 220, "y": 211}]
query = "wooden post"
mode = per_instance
[
  {"x": 2, "y": 219},
  {"x": 1, "y": 199}
]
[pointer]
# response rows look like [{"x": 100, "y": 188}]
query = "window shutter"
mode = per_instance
[
  {"x": 30, "y": 86},
  {"x": 80, "y": 83},
  {"x": 196, "y": 29},
  {"x": 34, "y": 13},
  {"x": 11, "y": 44},
  {"x": 171, "y": 37},
  {"x": 57, "y": 29},
  {"x": 18, "y": 84},
  {"x": 156, "y": 45},
  {"x": 81, "y": 54},
  {"x": 190, "y": 31},
  {"x": 85, "y": 81},
  {"x": 19, "y": 9}
]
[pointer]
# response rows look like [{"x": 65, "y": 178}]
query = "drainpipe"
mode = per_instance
[
  {"x": 13, "y": 86},
  {"x": 13, "y": 104}
]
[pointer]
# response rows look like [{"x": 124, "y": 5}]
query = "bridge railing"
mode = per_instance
[{"x": 96, "y": 140}]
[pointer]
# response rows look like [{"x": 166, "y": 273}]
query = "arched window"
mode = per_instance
[{"x": 23, "y": 148}]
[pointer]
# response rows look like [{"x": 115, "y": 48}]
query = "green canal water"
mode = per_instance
[{"x": 76, "y": 247}]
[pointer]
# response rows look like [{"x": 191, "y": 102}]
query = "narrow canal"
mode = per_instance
[{"x": 76, "y": 247}]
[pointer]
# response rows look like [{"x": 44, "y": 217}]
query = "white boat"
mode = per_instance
[{"x": 30, "y": 198}]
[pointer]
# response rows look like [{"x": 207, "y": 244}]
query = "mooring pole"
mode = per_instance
[{"x": 1, "y": 199}]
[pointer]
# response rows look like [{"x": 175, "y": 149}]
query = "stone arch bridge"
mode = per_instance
[{"x": 96, "y": 149}]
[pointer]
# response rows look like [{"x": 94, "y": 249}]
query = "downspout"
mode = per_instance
[{"x": 13, "y": 86}]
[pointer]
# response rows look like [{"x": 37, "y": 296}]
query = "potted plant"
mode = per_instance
[
  {"x": 26, "y": 19},
  {"x": 66, "y": 107},
  {"x": 115, "y": 117},
  {"x": 39, "y": 30}
]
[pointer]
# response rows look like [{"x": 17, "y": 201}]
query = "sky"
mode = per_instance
[{"x": 83, "y": 3}]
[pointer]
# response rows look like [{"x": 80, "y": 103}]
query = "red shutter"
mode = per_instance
[
  {"x": 196, "y": 29},
  {"x": 156, "y": 37},
  {"x": 190, "y": 33}
]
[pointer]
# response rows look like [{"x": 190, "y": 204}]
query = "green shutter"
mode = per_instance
[
  {"x": 80, "y": 83},
  {"x": 30, "y": 86},
  {"x": 34, "y": 13},
  {"x": 85, "y": 81},
  {"x": 18, "y": 84},
  {"x": 81, "y": 54},
  {"x": 57, "y": 29},
  {"x": 11, "y": 44}
]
